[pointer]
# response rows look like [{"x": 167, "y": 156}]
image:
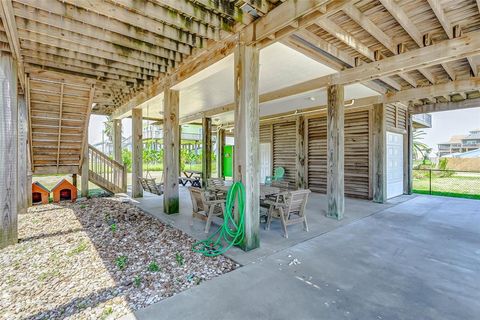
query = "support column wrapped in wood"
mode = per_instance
[
  {"x": 8, "y": 151},
  {"x": 22, "y": 155},
  {"x": 335, "y": 152},
  {"x": 247, "y": 144},
  {"x": 220, "y": 154},
  {"x": 171, "y": 145},
  {"x": 379, "y": 153},
  {"x": 206, "y": 150},
  {"x": 137, "y": 152}
]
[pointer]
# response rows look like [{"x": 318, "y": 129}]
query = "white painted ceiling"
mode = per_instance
[{"x": 280, "y": 66}]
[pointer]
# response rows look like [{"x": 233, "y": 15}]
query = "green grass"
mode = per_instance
[{"x": 459, "y": 186}]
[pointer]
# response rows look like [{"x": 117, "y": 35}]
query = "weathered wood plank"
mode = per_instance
[
  {"x": 8, "y": 151},
  {"x": 171, "y": 145},
  {"x": 335, "y": 155},
  {"x": 22, "y": 155},
  {"x": 220, "y": 151},
  {"x": 300, "y": 152},
  {"x": 379, "y": 154},
  {"x": 137, "y": 152},
  {"x": 117, "y": 140},
  {"x": 206, "y": 150},
  {"x": 247, "y": 146}
]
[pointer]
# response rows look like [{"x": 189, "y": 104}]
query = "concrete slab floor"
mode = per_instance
[
  {"x": 419, "y": 259},
  {"x": 270, "y": 241}
]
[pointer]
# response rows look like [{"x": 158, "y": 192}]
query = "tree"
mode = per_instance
[
  {"x": 108, "y": 129},
  {"x": 420, "y": 149}
]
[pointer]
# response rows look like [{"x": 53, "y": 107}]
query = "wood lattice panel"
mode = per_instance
[{"x": 59, "y": 115}]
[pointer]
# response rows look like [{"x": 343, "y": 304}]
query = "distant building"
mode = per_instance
[{"x": 460, "y": 144}]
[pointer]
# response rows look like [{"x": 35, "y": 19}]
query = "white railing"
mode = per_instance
[{"x": 423, "y": 118}]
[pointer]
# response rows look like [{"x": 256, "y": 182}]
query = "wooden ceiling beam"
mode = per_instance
[
  {"x": 112, "y": 11},
  {"x": 8, "y": 18},
  {"x": 444, "y": 106},
  {"x": 189, "y": 11},
  {"x": 340, "y": 61},
  {"x": 339, "y": 33},
  {"x": 82, "y": 21},
  {"x": 75, "y": 47},
  {"x": 363, "y": 21},
  {"x": 92, "y": 59},
  {"x": 280, "y": 17},
  {"x": 65, "y": 23},
  {"x": 111, "y": 73},
  {"x": 166, "y": 16},
  {"x": 407, "y": 24},
  {"x": 445, "y": 51},
  {"x": 227, "y": 9},
  {"x": 45, "y": 33}
]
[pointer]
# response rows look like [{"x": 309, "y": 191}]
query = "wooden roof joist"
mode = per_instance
[
  {"x": 108, "y": 10},
  {"x": 91, "y": 50},
  {"x": 87, "y": 23},
  {"x": 154, "y": 54}
]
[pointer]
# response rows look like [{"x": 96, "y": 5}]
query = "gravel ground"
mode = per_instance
[{"x": 96, "y": 259}]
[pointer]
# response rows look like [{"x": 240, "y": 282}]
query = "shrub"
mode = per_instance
[
  {"x": 153, "y": 267},
  {"x": 121, "y": 262}
]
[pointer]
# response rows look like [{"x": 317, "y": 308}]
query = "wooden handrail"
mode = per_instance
[{"x": 106, "y": 172}]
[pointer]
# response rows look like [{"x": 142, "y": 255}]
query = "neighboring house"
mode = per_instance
[
  {"x": 422, "y": 120},
  {"x": 191, "y": 138},
  {"x": 460, "y": 144}
]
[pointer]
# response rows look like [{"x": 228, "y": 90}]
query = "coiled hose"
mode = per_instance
[{"x": 230, "y": 233}]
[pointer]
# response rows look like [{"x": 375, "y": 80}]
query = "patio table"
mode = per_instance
[
  {"x": 265, "y": 190},
  {"x": 189, "y": 177}
]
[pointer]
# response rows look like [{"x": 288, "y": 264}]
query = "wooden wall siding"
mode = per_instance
[
  {"x": 391, "y": 116},
  {"x": 265, "y": 133},
  {"x": 284, "y": 146},
  {"x": 357, "y": 147},
  {"x": 396, "y": 117},
  {"x": 357, "y": 154},
  {"x": 317, "y": 154}
]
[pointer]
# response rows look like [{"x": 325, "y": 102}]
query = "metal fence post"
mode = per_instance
[{"x": 430, "y": 181}]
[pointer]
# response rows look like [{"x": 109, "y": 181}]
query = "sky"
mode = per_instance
[
  {"x": 448, "y": 123},
  {"x": 444, "y": 125}
]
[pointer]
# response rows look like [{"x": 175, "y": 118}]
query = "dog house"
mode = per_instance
[
  {"x": 40, "y": 193},
  {"x": 63, "y": 191}
]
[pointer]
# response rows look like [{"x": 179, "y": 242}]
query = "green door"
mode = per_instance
[{"x": 228, "y": 161}]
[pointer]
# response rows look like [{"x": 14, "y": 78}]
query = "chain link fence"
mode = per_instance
[{"x": 450, "y": 183}]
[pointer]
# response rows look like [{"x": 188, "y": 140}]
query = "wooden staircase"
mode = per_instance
[
  {"x": 105, "y": 172},
  {"x": 59, "y": 113}
]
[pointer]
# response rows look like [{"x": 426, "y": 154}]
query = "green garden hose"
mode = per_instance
[{"x": 230, "y": 233}]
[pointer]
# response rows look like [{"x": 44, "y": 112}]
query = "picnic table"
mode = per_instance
[
  {"x": 265, "y": 190},
  {"x": 191, "y": 176}
]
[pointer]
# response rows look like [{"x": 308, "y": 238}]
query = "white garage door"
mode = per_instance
[{"x": 394, "y": 164}]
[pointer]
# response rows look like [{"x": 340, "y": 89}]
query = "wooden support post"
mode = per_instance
[
  {"x": 247, "y": 141},
  {"x": 137, "y": 153},
  {"x": 220, "y": 147},
  {"x": 85, "y": 167},
  {"x": 8, "y": 151},
  {"x": 117, "y": 140},
  {"x": 22, "y": 155},
  {"x": 74, "y": 180},
  {"x": 300, "y": 153},
  {"x": 409, "y": 168},
  {"x": 379, "y": 154},
  {"x": 335, "y": 152},
  {"x": 206, "y": 150},
  {"x": 171, "y": 145}
]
